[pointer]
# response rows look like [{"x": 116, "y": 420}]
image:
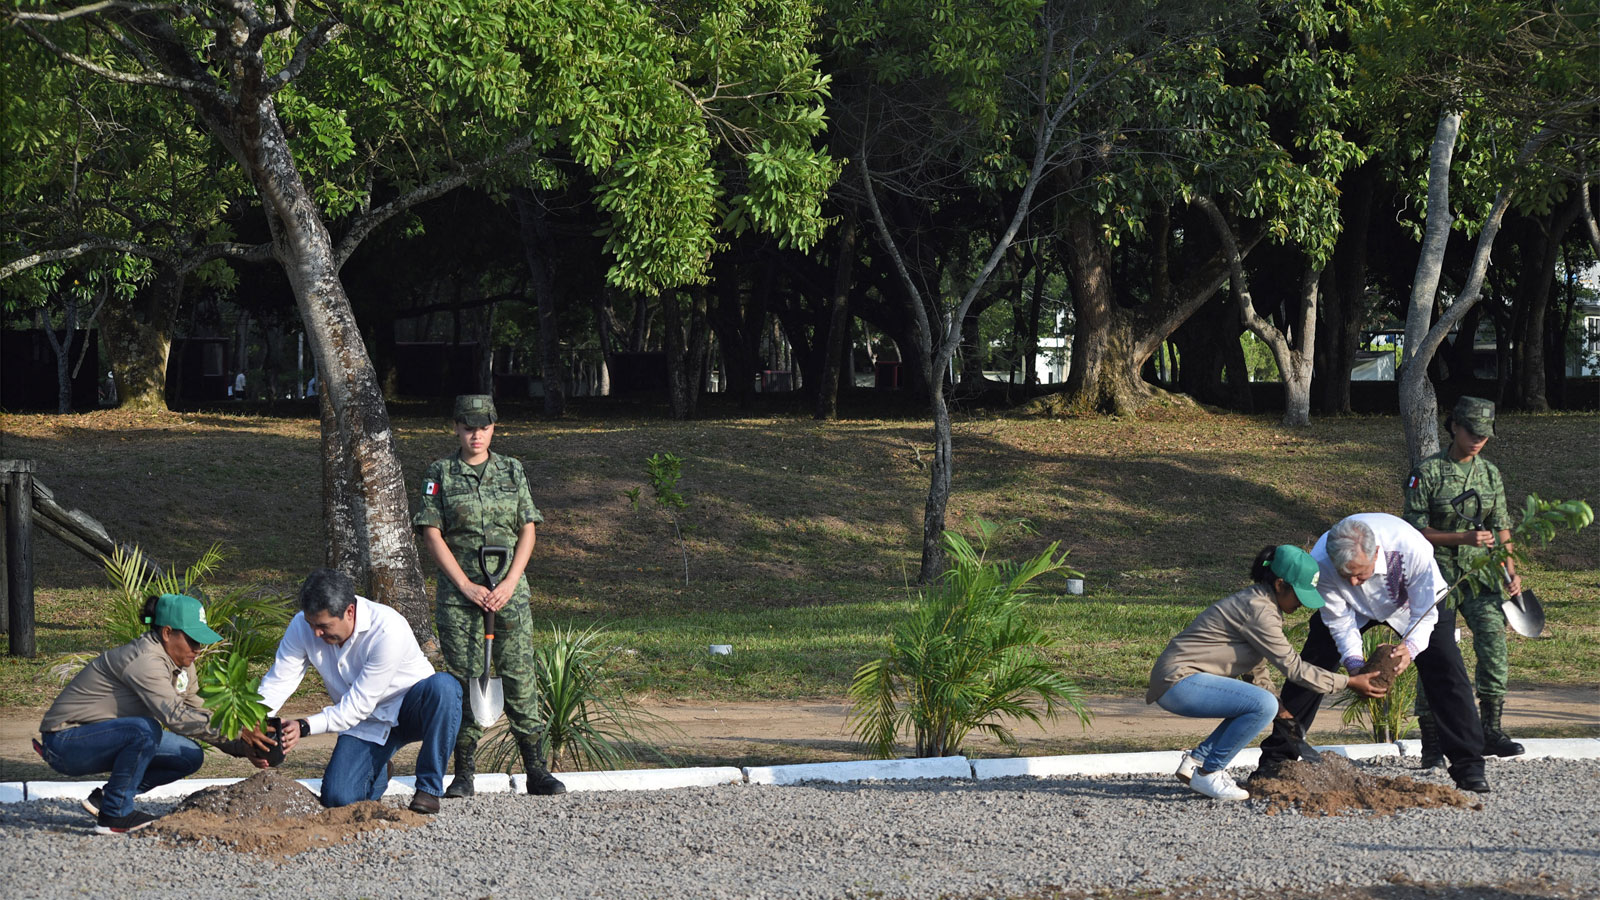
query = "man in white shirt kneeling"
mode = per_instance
[{"x": 385, "y": 692}]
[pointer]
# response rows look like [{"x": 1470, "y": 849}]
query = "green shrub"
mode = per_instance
[
  {"x": 250, "y": 621},
  {"x": 587, "y": 719},
  {"x": 966, "y": 658}
]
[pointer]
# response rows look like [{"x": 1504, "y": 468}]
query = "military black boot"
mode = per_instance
[
  {"x": 1293, "y": 736},
  {"x": 466, "y": 769},
  {"x": 1495, "y": 742},
  {"x": 1286, "y": 744},
  {"x": 540, "y": 781},
  {"x": 1432, "y": 753}
]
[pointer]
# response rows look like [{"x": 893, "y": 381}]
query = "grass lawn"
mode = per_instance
[{"x": 802, "y": 537}]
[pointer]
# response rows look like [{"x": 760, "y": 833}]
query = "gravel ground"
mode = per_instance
[{"x": 1008, "y": 837}]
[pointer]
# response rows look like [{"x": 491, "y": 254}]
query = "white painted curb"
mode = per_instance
[
  {"x": 650, "y": 779},
  {"x": 1560, "y": 748},
  {"x": 1161, "y": 762},
  {"x": 63, "y": 790},
  {"x": 491, "y": 783},
  {"x": 1361, "y": 751},
  {"x": 862, "y": 770},
  {"x": 177, "y": 790},
  {"x": 1538, "y": 748},
  {"x": 1158, "y": 762}
]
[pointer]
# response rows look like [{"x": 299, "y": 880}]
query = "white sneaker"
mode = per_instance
[
  {"x": 1218, "y": 785},
  {"x": 1187, "y": 767}
]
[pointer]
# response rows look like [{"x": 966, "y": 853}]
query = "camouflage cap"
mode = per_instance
[
  {"x": 1476, "y": 413},
  {"x": 476, "y": 410}
]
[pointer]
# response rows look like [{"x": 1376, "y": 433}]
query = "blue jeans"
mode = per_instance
[
  {"x": 136, "y": 750},
  {"x": 430, "y": 713},
  {"x": 1245, "y": 710}
]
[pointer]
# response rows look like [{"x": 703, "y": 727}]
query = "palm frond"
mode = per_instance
[{"x": 965, "y": 658}]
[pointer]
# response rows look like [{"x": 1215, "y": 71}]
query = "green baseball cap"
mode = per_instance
[
  {"x": 476, "y": 410},
  {"x": 184, "y": 613},
  {"x": 1298, "y": 568},
  {"x": 1476, "y": 413}
]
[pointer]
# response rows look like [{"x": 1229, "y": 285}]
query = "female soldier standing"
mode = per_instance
[
  {"x": 472, "y": 499},
  {"x": 1457, "y": 540}
]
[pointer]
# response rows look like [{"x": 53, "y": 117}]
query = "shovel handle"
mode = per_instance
[
  {"x": 488, "y": 624},
  {"x": 502, "y": 556}
]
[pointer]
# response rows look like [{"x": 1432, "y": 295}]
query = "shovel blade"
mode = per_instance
[
  {"x": 1524, "y": 613},
  {"x": 487, "y": 698}
]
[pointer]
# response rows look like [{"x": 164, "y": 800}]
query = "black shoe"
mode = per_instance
[
  {"x": 466, "y": 769},
  {"x": 134, "y": 821},
  {"x": 1432, "y": 754},
  {"x": 1474, "y": 783},
  {"x": 540, "y": 782},
  {"x": 94, "y": 801},
  {"x": 1269, "y": 767},
  {"x": 1289, "y": 734},
  {"x": 425, "y": 803},
  {"x": 1495, "y": 741},
  {"x": 543, "y": 784}
]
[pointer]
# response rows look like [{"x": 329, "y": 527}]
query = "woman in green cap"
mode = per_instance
[
  {"x": 135, "y": 712},
  {"x": 1457, "y": 499},
  {"x": 1197, "y": 676}
]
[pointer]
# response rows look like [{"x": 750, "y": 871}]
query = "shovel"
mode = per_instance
[
  {"x": 1523, "y": 610},
  {"x": 486, "y": 695}
]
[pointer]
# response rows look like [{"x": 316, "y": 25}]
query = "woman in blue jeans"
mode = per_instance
[
  {"x": 1198, "y": 674},
  {"x": 135, "y": 712}
]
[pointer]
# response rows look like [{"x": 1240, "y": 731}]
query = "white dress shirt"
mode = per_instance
[
  {"x": 367, "y": 676},
  {"x": 1404, "y": 586}
]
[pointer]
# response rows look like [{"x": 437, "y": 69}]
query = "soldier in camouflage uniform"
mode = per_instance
[
  {"x": 472, "y": 499},
  {"x": 1429, "y": 489}
]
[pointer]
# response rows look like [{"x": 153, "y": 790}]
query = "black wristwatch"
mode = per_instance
[{"x": 305, "y": 726}]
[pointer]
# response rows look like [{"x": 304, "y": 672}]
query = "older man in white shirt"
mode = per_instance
[
  {"x": 385, "y": 692},
  {"x": 1374, "y": 568}
]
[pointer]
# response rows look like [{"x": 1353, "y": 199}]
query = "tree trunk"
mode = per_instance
[
  {"x": 1102, "y": 341},
  {"x": 838, "y": 338},
  {"x": 677, "y": 356},
  {"x": 1294, "y": 362},
  {"x": 138, "y": 339},
  {"x": 605, "y": 322},
  {"x": 1541, "y": 249},
  {"x": 374, "y": 543},
  {"x": 62, "y": 348},
  {"x": 534, "y": 229},
  {"x": 1419, "y": 406},
  {"x": 1418, "y": 402},
  {"x": 933, "y": 513},
  {"x": 1343, "y": 304}
]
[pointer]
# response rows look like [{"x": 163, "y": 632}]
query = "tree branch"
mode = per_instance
[
  {"x": 149, "y": 79},
  {"x": 86, "y": 246},
  {"x": 325, "y": 32},
  {"x": 364, "y": 225},
  {"x": 89, "y": 9}
]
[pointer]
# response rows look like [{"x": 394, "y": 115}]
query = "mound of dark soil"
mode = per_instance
[
  {"x": 1336, "y": 785},
  {"x": 271, "y": 814}
]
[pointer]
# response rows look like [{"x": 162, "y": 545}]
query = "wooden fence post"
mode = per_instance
[{"x": 19, "y": 554}]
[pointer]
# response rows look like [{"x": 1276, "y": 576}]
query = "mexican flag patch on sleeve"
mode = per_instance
[
  {"x": 1411, "y": 483},
  {"x": 430, "y": 488}
]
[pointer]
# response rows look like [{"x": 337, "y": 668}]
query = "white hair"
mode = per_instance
[{"x": 1349, "y": 539}]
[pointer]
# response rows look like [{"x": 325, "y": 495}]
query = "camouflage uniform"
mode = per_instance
[
  {"x": 471, "y": 512},
  {"x": 1428, "y": 492}
]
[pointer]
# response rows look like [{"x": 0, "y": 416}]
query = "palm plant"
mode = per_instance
[
  {"x": 587, "y": 719},
  {"x": 1390, "y": 716},
  {"x": 966, "y": 658},
  {"x": 249, "y": 619}
]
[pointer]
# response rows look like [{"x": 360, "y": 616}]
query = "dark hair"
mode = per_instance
[
  {"x": 327, "y": 591},
  {"x": 147, "y": 613},
  {"x": 1261, "y": 569}
]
